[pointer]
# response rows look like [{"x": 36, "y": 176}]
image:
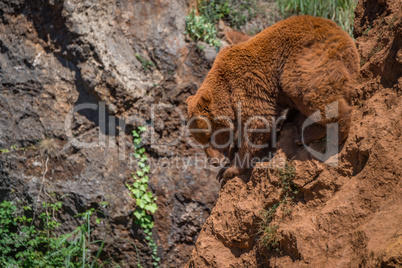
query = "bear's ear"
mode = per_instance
[
  {"x": 206, "y": 97},
  {"x": 200, "y": 101}
]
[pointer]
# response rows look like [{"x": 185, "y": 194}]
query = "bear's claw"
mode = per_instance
[{"x": 220, "y": 176}]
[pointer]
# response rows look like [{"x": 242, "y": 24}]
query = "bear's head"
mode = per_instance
[
  {"x": 210, "y": 111},
  {"x": 213, "y": 130}
]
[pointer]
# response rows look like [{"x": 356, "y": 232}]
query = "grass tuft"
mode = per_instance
[{"x": 340, "y": 11}]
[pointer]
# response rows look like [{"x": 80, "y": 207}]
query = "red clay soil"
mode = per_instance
[{"x": 344, "y": 216}]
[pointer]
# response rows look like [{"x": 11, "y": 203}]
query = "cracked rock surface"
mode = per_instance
[{"x": 75, "y": 72}]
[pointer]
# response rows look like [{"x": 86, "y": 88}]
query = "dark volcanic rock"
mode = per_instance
[{"x": 57, "y": 56}]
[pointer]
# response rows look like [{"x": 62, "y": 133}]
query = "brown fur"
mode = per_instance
[{"x": 303, "y": 63}]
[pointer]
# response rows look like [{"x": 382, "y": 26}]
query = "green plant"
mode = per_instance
[
  {"x": 286, "y": 174},
  {"x": 146, "y": 202},
  {"x": 147, "y": 64},
  {"x": 202, "y": 26},
  {"x": 15, "y": 148},
  {"x": 367, "y": 30},
  {"x": 23, "y": 244},
  {"x": 268, "y": 229},
  {"x": 235, "y": 12},
  {"x": 340, "y": 11},
  {"x": 200, "y": 47},
  {"x": 138, "y": 256}
]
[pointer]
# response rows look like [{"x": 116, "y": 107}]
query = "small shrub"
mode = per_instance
[
  {"x": 23, "y": 244},
  {"x": 269, "y": 237},
  {"x": 234, "y": 12},
  {"x": 200, "y": 28},
  {"x": 286, "y": 175},
  {"x": 268, "y": 230},
  {"x": 202, "y": 25}
]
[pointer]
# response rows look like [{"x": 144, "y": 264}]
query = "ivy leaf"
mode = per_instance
[
  {"x": 147, "y": 198},
  {"x": 151, "y": 208},
  {"x": 145, "y": 179},
  {"x": 134, "y": 192},
  {"x": 149, "y": 195},
  {"x": 143, "y": 187},
  {"x": 147, "y": 219},
  {"x": 144, "y": 158},
  {"x": 138, "y": 193},
  {"x": 139, "y": 213},
  {"x": 141, "y": 203},
  {"x": 146, "y": 169}
]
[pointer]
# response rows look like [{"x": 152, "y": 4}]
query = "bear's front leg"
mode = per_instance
[
  {"x": 240, "y": 163},
  {"x": 227, "y": 173},
  {"x": 250, "y": 148},
  {"x": 232, "y": 172},
  {"x": 229, "y": 170}
]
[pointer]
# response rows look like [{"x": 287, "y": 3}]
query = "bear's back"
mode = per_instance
[
  {"x": 286, "y": 41},
  {"x": 295, "y": 33}
]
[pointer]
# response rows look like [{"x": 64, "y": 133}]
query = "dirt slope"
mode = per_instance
[{"x": 344, "y": 216}]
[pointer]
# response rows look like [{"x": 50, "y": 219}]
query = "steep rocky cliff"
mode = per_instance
[
  {"x": 311, "y": 214},
  {"x": 110, "y": 61}
]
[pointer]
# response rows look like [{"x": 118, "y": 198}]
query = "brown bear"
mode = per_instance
[{"x": 303, "y": 63}]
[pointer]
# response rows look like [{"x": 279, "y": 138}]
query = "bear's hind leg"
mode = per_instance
[{"x": 339, "y": 113}]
